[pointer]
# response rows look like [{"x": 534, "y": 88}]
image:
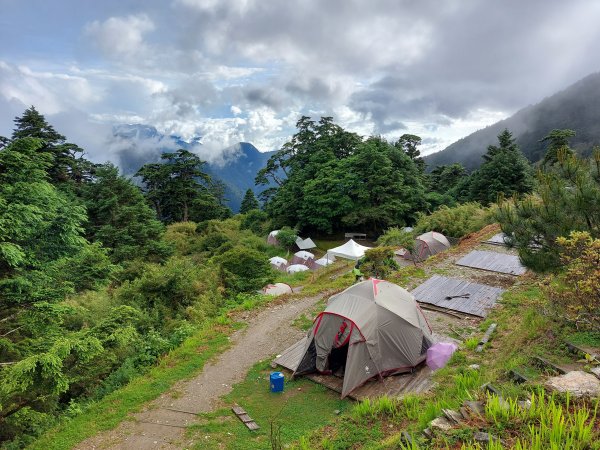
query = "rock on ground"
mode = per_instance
[{"x": 577, "y": 383}]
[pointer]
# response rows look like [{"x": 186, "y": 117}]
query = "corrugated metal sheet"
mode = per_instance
[
  {"x": 493, "y": 261},
  {"x": 497, "y": 239},
  {"x": 480, "y": 299}
]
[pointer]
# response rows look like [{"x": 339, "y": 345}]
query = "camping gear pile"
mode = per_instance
[{"x": 372, "y": 329}]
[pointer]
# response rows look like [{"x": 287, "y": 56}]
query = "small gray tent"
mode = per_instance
[
  {"x": 428, "y": 244},
  {"x": 372, "y": 329}
]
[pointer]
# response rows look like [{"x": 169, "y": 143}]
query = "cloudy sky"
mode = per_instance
[{"x": 245, "y": 70}]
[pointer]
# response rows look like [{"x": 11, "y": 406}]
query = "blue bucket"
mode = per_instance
[{"x": 276, "y": 382}]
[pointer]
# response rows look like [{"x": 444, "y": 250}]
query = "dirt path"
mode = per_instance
[{"x": 161, "y": 425}]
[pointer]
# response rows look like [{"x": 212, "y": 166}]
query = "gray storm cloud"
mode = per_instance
[{"x": 232, "y": 71}]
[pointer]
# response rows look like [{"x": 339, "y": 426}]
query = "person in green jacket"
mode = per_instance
[{"x": 357, "y": 274}]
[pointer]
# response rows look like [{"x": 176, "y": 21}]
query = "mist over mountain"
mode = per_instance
[
  {"x": 235, "y": 166},
  {"x": 577, "y": 107}
]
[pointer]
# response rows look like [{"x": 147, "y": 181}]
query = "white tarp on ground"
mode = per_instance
[
  {"x": 297, "y": 268},
  {"x": 305, "y": 244},
  {"x": 277, "y": 289},
  {"x": 350, "y": 250},
  {"x": 278, "y": 261},
  {"x": 324, "y": 261}
]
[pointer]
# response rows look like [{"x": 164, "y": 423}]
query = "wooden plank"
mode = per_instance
[
  {"x": 245, "y": 418},
  {"x": 252, "y": 426},
  {"x": 238, "y": 410},
  {"x": 466, "y": 297},
  {"x": 493, "y": 261},
  {"x": 394, "y": 386}
]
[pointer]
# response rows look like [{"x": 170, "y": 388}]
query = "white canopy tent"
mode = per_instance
[
  {"x": 305, "y": 244},
  {"x": 350, "y": 250}
]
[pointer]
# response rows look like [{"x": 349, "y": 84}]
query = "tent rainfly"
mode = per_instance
[
  {"x": 428, "y": 244},
  {"x": 350, "y": 250},
  {"x": 372, "y": 329},
  {"x": 272, "y": 238},
  {"x": 297, "y": 268},
  {"x": 305, "y": 244},
  {"x": 277, "y": 289},
  {"x": 322, "y": 262},
  {"x": 277, "y": 262},
  {"x": 302, "y": 257}
]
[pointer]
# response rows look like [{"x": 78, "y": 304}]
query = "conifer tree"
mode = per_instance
[
  {"x": 505, "y": 171},
  {"x": 249, "y": 202},
  {"x": 67, "y": 162},
  {"x": 120, "y": 218},
  {"x": 558, "y": 141},
  {"x": 567, "y": 199}
]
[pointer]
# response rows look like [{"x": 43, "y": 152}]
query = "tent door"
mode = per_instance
[{"x": 337, "y": 360}]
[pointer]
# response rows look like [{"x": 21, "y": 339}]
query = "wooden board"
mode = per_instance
[
  {"x": 481, "y": 297},
  {"x": 493, "y": 262},
  {"x": 245, "y": 418},
  {"x": 395, "y": 386},
  {"x": 497, "y": 239}
]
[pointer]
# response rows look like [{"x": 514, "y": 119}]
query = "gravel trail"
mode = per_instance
[{"x": 161, "y": 424}]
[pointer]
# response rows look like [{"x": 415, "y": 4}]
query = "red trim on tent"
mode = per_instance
[
  {"x": 320, "y": 317},
  {"x": 424, "y": 316}
]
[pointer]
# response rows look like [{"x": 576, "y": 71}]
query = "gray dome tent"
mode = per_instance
[
  {"x": 372, "y": 329},
  {"x": 428, "y": 244}
]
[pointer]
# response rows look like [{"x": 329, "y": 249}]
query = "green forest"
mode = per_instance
[{"x": 102, "y": 275}]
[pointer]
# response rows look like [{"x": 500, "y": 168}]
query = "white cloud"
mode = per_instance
[{"x": 121, "y": 36}]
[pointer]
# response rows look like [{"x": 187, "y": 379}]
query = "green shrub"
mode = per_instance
[
  {"x": 287, "y": 237},
  {"x": 455, "y": 222},
  {"x": 378, "y": 262},
  {"x": 256, "y": 221},
  {"x": 178, "y": 289},
  {"x": 244, "y": 270},
  {"x": 87, "y": 270}
]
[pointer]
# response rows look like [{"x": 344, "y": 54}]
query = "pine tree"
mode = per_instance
[
  {"x": 67, "y": 162},
  {"x": 180, "y": 190},
  {"x": 505, "y": 172},
  {"x": 567, "y": 199},
  {"x": 120, "y": 218},
  {"x": 249, "y": 202},
  {"x": 558, "y": 141}
]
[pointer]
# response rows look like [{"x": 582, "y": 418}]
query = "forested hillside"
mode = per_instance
[{"x": 576, "y": 108}]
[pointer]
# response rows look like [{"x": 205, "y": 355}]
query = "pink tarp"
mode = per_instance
[{"x": 439, "y": 354}]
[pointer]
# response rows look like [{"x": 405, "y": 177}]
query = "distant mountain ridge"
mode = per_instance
[
  {"x": 236, "y": 166},
  {"x": 576, "y": 107}
]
